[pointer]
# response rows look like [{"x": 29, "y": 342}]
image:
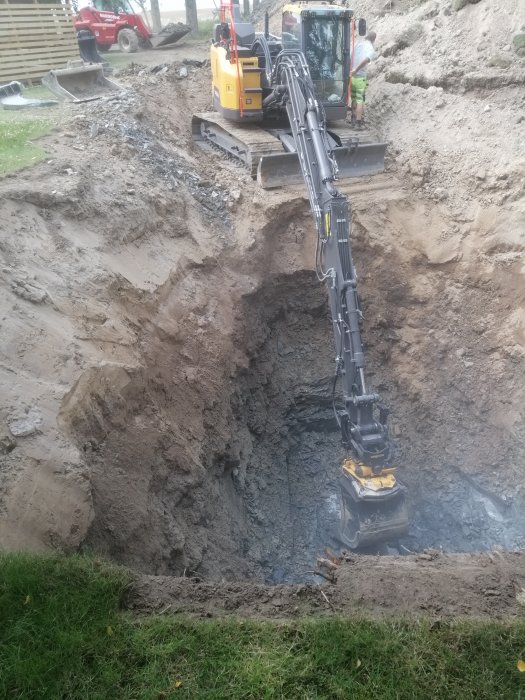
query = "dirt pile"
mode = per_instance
[
  {"x": 168, "y": 355},
  {"x": 430, "y": 584}
]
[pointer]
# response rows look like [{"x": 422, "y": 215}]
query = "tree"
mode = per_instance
[
  {"x": 191, "y": 14},
  {"x": 156, "y": 25}
]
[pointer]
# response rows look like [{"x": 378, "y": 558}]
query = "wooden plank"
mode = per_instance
[
  {"x": 39, "y": 70},
  {"x": 45, "y": 40},
  {"x": 26, "y": 54},
  {"x": 38, "y": 6},
  {"x": 27, "y": 73},
  {"x": 26, "y": 48},
  {"x": 43, "y": 34},
  {"x": 28, "y": 33},
  {"x": 7, "y": 16},
  {"x": 52, "y": 30},
  {"x": 31, "y": 78},
  {"x": 5, "y": 11},
  {"x": 24, "y": 5},
  {"x": 35, "y": 13},
  {"x": 38, "y": 28},
  {"x": 19, "y": 73},
  {"x": 35, "y": 9},
  {"x": 61, "y": 59},
  {"x": 50, "y": 26},
  {"x": 26, "y": 21},
  {"x": 47, "y": 13}
]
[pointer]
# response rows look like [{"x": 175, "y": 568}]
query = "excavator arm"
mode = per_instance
[{"x": 372, "y": 500}]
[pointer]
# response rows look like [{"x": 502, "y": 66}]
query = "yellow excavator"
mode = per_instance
[{"x": 277, "y": 102}]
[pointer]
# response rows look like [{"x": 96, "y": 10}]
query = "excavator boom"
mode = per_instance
[
  {"x": 291, "y": 86},
  {"x": 372, "y": 500}
]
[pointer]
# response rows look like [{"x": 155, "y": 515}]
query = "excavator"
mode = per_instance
[{"x": 276, "y": 101}]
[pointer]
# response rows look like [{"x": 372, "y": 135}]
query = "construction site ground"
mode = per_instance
[{"x": 167, "y": 355}]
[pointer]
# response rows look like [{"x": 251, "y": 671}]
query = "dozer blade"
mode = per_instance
[
  {"x": 169, "y": 34},
  {"x": 371, "y": 512},
  {"x": 80, "y": 82},
  {"x": 281, "y": 169}
]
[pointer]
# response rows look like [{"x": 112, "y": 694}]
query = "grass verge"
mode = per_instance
[
  {"x": 17, "y": 150},
  {"x": 63, "y": 635}
]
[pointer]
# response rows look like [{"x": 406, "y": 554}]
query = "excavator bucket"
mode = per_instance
[
  {"x": 373, "y": 507},
  {"x": 169, "y": 34},
  {"x": 366, "y": 524},
  {"x": 355, "y": 160},
  {"x": 87, "y": 46},
  {"x": 80, "y": 82}
]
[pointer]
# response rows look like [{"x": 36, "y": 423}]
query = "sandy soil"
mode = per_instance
[{"x": 166, "y": 351}]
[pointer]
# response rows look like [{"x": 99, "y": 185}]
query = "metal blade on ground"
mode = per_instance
[{"x": 281, "y": 169}]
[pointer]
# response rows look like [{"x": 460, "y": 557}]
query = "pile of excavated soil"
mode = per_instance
[
  {"x": 167, "y": 351},
  {"x": 431, "y": 584}
]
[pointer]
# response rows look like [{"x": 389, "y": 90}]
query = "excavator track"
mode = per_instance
[
  {"x": 247, "y": 143},
  {"x": 263, "y": 154}
]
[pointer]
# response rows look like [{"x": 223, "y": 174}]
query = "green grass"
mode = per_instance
[
  {"x": 63, "y": 635},
  {"x": 17, "y": 131}
]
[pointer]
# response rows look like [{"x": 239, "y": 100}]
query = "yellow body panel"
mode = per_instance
[
  {"x": 229, "y": 85},
  {"x": 365, "y": 476}
]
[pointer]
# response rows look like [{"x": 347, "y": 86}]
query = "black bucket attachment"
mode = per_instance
[
  {"x": 80, "y": 82},
  {"x": 360, "y": 160},
  {"x": 169, "y": 34},
  {"x": 87, "y": 46}
]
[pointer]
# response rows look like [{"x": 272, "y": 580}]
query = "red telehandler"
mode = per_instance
[{"x": 115, "y": 22}]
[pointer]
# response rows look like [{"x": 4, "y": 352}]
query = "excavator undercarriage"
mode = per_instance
[
  {"x": 269, "y": 153},
  {"x": 270, "y": 117}
]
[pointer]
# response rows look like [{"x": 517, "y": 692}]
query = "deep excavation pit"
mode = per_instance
[
  {"x": 254, "y": 495},
  {"x": 167, "y": 311}
]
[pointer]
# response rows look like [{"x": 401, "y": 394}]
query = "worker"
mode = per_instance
[{"x": 363, "y": 54}]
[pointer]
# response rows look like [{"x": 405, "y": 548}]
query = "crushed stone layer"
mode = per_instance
[{"x": 429, "y": 584}]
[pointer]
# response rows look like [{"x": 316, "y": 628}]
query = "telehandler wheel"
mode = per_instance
[
  {"x": 128, "y": 41},
  {"x": 103, "y": 48}
]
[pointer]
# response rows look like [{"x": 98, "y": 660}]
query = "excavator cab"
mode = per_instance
[{"x": 322, "y": 34}]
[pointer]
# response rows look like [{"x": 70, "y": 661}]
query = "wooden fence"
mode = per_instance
[{"x": 35, "y": 37}]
